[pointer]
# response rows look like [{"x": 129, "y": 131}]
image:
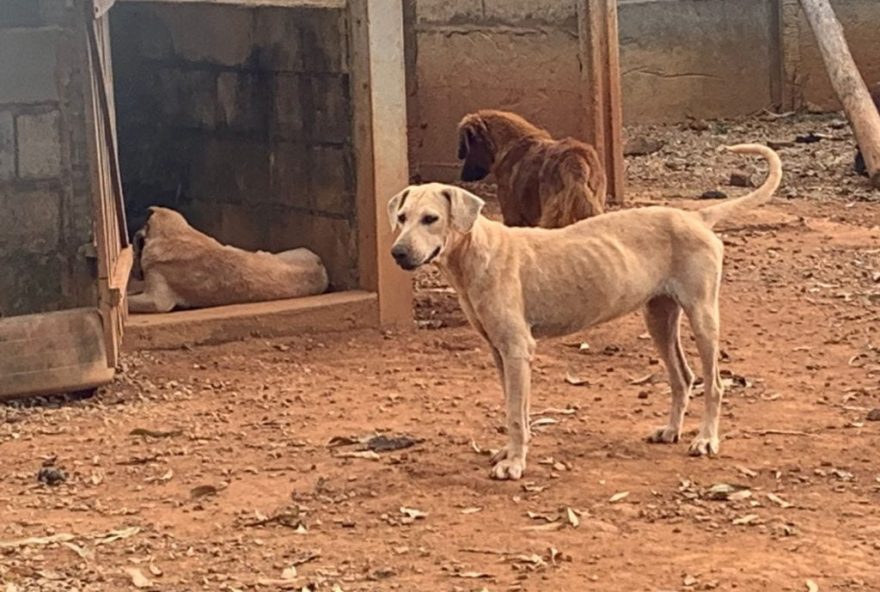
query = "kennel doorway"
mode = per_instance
[{"x": 270, "y": 124}]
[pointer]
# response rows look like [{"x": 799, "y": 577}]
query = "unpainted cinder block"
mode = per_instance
[
  {"x": 330, "y": 108},
  {"x": 331, "y": 179},
  {"x": 551, "y": 12},
  {"x": 289, "y": 184},
  {"x": 277, "y": 38},
  {"x": 449, "y": 12},
  {"x": 28, "y": 62},
  {"x": 324, "y": 40},
  {"x": 288, "y": 109},
  {"x": 7, "y": 145},
  {"x": 39, "y": 145},
  {"x": 31, "y": 221},
  {"x": 244, "y": 101},
  {"x": 220, "y": 35}
]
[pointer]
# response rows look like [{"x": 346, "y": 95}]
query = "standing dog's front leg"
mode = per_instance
[{"x": 511, "y": 461}]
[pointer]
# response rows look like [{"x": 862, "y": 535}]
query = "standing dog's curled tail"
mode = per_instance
[{"x": 714, "y": 214}]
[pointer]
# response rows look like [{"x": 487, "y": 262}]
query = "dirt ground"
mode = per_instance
[{"x": 246, "y": 466}]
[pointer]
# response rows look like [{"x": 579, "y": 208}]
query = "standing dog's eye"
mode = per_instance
[
  {"x": 401, "y": 218},
  {"x": 429, "y": 219}
]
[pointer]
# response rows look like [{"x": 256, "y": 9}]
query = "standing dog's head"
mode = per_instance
[
  {"x": 430, "y": 218},
  {"x": 475, "y": 148}
]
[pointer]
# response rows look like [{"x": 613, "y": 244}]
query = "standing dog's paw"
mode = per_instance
[
  {"x": 509, "y": 468},
  {"x": 704, "y": 446},
  {"x": 664, "y": 435}
]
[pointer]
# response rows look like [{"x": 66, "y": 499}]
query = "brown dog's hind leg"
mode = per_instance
[{"x": 663, "y": 318}]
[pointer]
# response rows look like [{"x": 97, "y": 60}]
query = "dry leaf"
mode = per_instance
[
  {"x": 689, "y": 580},
  {"x": 543, "y": 421},
  {"x": 545, "y": 527},
  {"x": 746, "y": 471},
  {"x": 81, "y": 551},
  {"x": 342, "y": 441},
  {"x": 36, "y": 541},
  {"x": 473, "y": 575},
  {"x": 471, "y": 510},
  {"x": 413, "y": 514},
  {"x": 643, "y": 380},
  {"x": 778, "y": 500},
  {"x": 727, "y": 492},
  {"x": 574, "y": 380},
  {"x": 154, "y": 433},
  {"x": 367, "y": 454},
  {"x": 618, "y": 497},
  {"x": 812, "y": 586},
  {"x": 155, "y": 570},
  {"x": 530, "y": 487},
  {"x": 116, "y": 535},
  {"x": 137, "y": 578},
  {"x": 289, "y": 573},
  {"x": 747, "y": 519},
  {"x": 538, "y": 516},
  {"x": 572, "y": 518}
]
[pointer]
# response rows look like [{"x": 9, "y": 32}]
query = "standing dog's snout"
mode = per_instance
[{"x": 400, "y": 254}]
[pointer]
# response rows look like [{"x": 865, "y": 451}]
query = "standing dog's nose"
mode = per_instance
[{"x": 399, "y": 253}]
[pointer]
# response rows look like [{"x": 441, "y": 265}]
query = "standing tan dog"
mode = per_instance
[
  {"x": 541, "y": 181},
  {"x": 184, "y": 268},
  {"x": 515, "y": 284}
]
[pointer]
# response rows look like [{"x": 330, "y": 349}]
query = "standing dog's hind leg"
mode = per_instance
[
  {"x": 663, "y": 318},
  {"x": 705, "y": 324}
]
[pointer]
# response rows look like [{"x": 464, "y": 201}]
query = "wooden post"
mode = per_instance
[
  {"x": 601, "y": 120},
  {"x": 847, "y": 82},
  {"x": 379, "y": 94}
]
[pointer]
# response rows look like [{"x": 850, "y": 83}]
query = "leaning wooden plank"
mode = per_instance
[{"x": 847, "y": 82}]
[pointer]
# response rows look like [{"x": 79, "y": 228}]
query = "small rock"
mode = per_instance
[
  {"x": 740, "y": 179},
  {"x": 698, "y": 125},
  {"x": 51, "y": 476},
  {"x": 874, "y": 414},
  {"x": 713, "y": 194},
  {"x": 642, "y": 146}
]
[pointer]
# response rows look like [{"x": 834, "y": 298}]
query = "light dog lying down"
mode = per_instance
[
  {"x": 184, "y": 268},
  {"x": 515, "y": 284}
]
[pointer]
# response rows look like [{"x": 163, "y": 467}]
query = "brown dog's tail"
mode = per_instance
[{"x": 714, "y": 214}]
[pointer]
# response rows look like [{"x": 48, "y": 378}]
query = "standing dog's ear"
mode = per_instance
[
  {"x": 394, "y": 204},
  {"x": 464, "y": 208}
]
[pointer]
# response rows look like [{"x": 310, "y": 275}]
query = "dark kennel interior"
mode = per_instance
[{"x": 241, "y": 118}]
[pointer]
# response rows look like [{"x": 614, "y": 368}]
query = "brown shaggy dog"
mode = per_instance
[
  {"x": 859, "y": 164},
  {"x": 541, "y": 181}
]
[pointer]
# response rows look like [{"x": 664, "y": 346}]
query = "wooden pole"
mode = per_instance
[
  {"x": 601, "y": 120},
  {"x": 847, "y": 82}
]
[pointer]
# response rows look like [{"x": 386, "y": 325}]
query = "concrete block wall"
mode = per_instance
[
  {"x": 45, "y": 199},
  {"x": 241, "y": 118},
  {"x": 678, "y": 58},
  {"x": 462, "y": 55}
]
